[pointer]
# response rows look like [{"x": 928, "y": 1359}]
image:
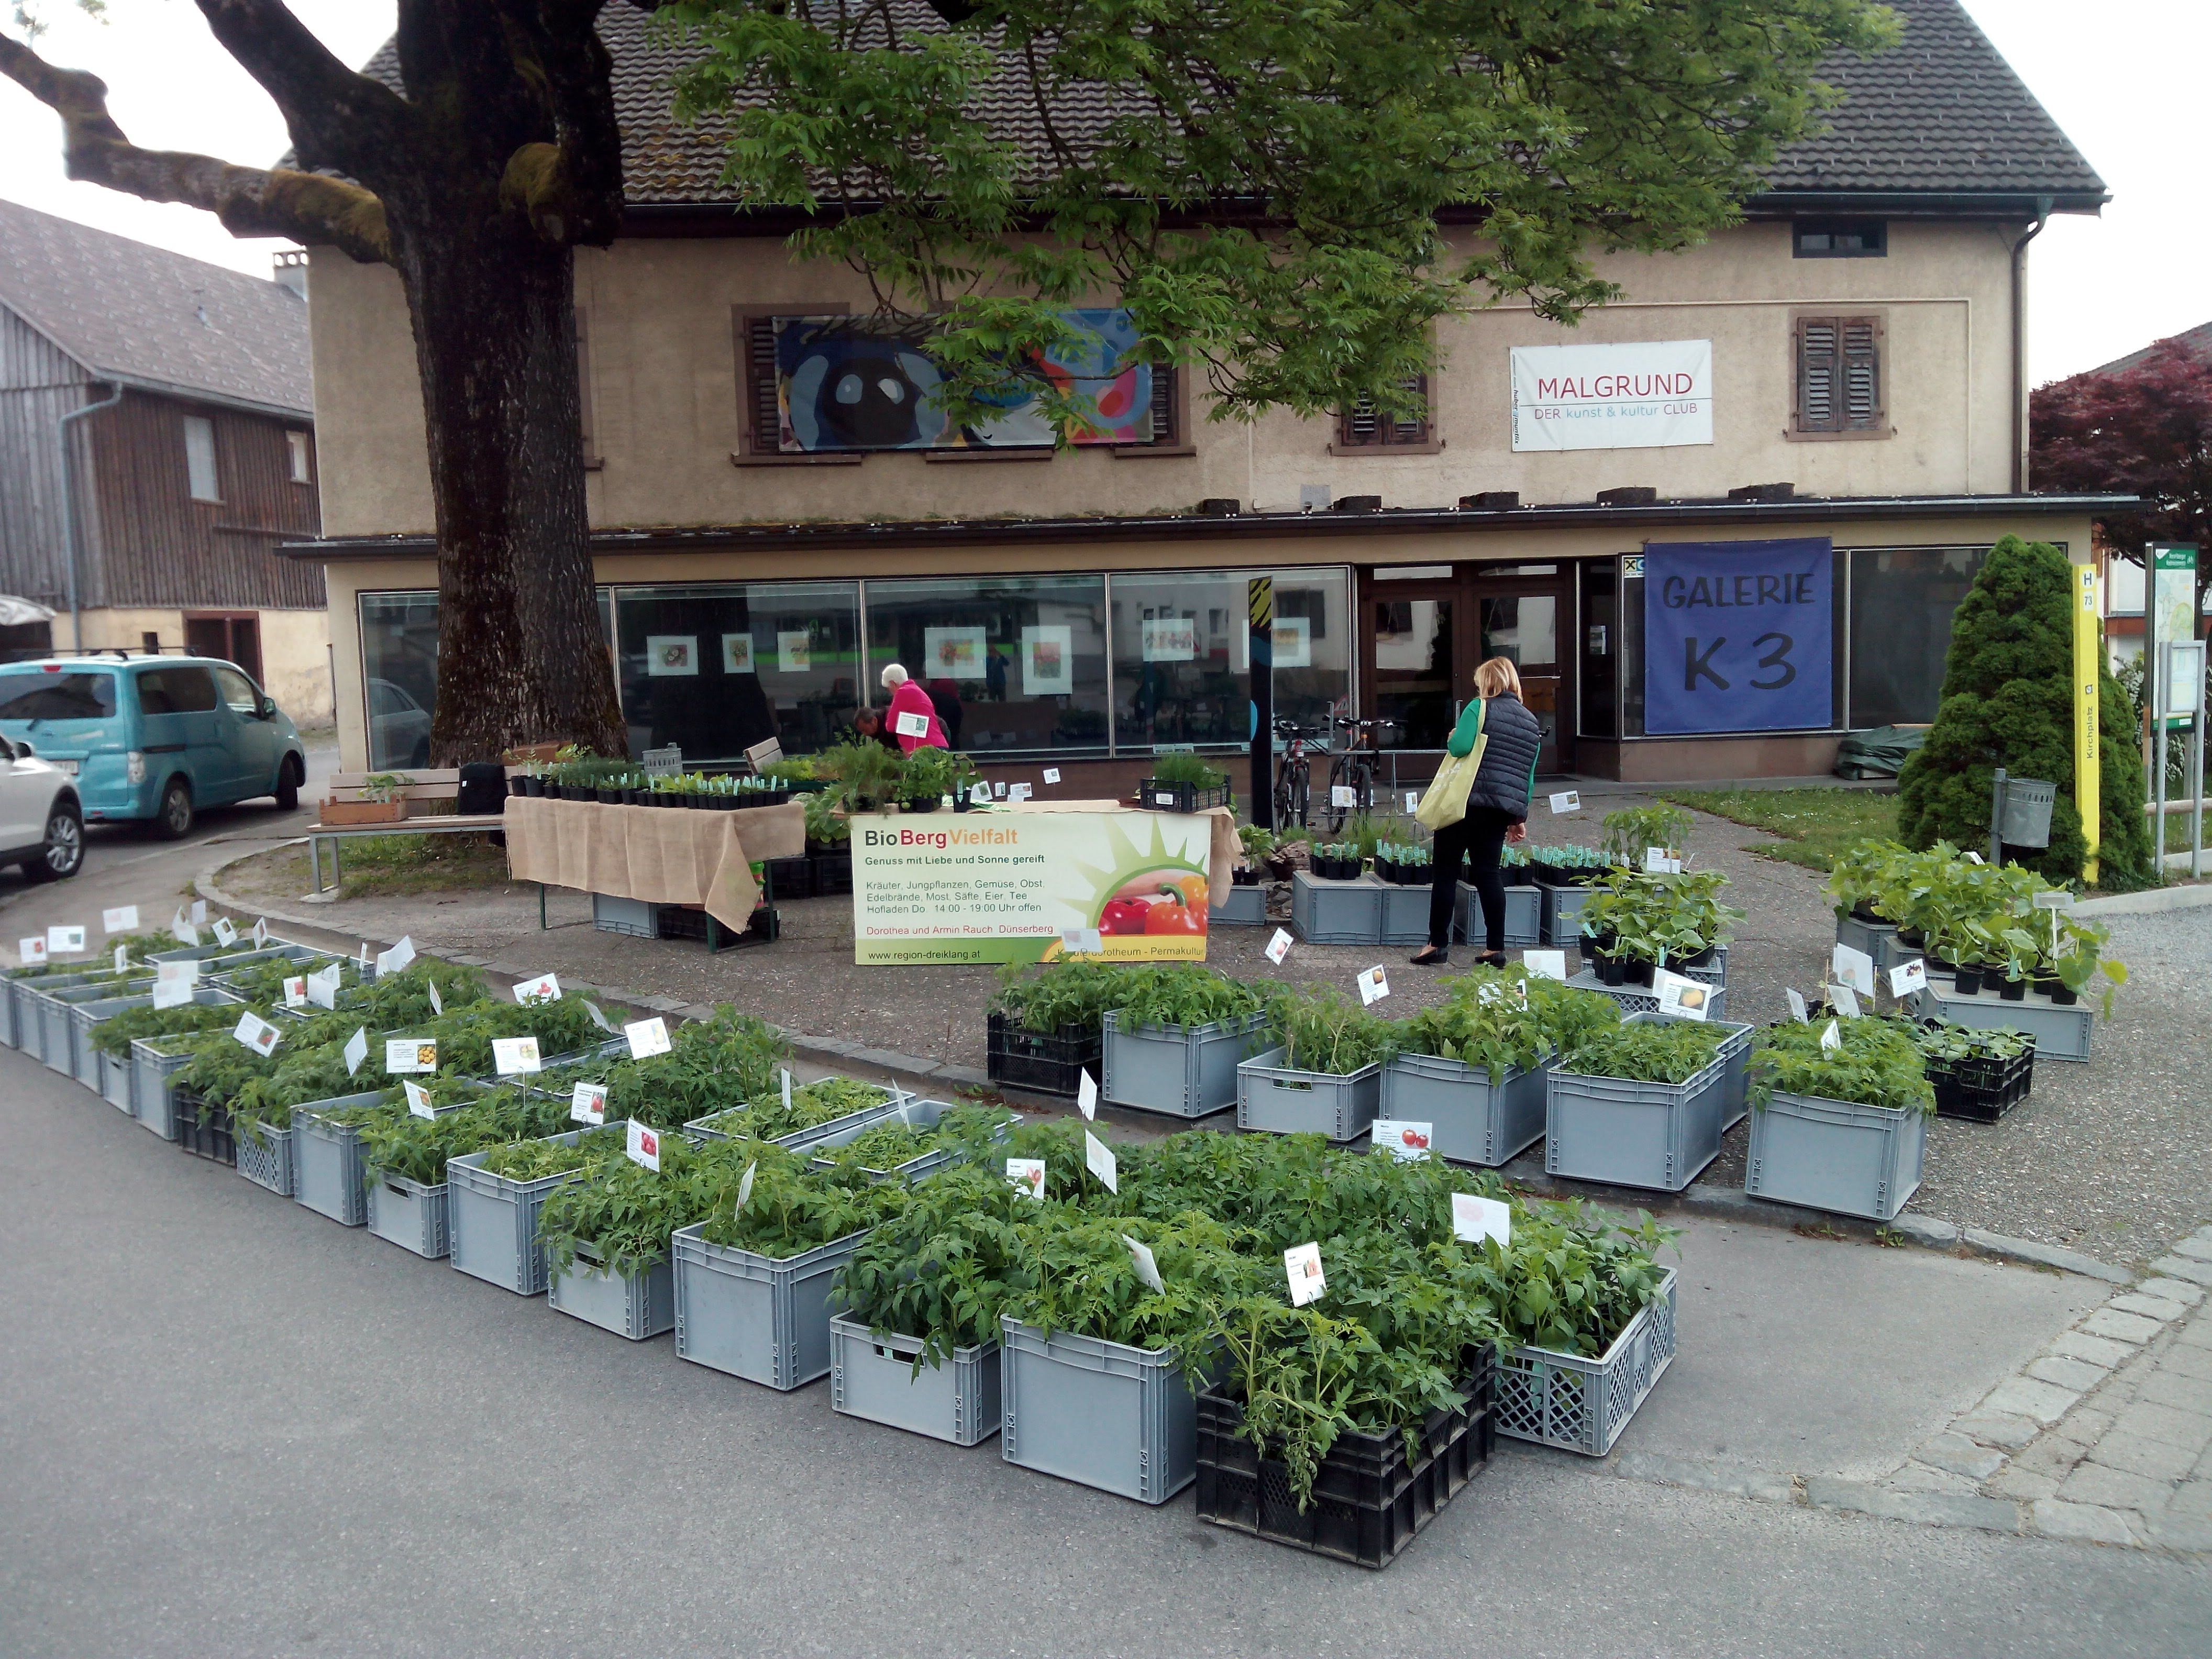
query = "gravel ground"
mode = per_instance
[{"x": 2113, "y": 1157}]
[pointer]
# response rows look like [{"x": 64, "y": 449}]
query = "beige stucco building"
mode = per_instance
[{"x": 1844, "y": 367}]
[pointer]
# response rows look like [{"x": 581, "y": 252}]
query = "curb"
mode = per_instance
[{"x": 2153, "y": 900}]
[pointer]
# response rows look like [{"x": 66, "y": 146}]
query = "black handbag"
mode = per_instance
[{"x": 484, "y": 789}]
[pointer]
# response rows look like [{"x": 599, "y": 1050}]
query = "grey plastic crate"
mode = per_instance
[
  {"x": 1273, "y": 1097},
  {"x": 408, "y": 1214},
  {"x": 633, "y": 918},
  {"x": 922, "y": 1114},
  {"x": 1836, "y": 1155},
  {"x": 1246, "y": 907},
  {"x": 42, "y": 1026},
  {"x": 1185, "y": 1071},
  {"x": 2059, "y": 1033},
  {"x": 1656, "y": 1135},
  {"x": 152, "y": 1101},
  {"x": 85, "y": 1015},
  {"x": 267, "y": 1161},
  {"x": 873, "y": 1377},
  {"x": 764, "y": 1319},
  {"x": 1472, "y": 1120},
  {"x": 703, "y": 1128},
  {"x": 1524, "y": 917},
  {"x": 491, "y": 1223},
  {"x": 115, "y": 1079},
  {"x": 1868, "y": 936},
  {"x": 1642, "y": 999},
  {"x": 1096, "y": 1412},
  {"x": 326, "y": 1166},
  {"x": 1404, "y": 913},
  {"x": 1561, "y": 921},
  {"x": 638, "y": 1306},
  {"x": 1581, "y": 1404},
  {"x": 1336, "y": 912}
]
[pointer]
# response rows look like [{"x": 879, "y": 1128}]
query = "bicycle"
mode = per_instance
[
  {"x": 1293, "y": 777},
  {"x": 1354, "y": 769}
]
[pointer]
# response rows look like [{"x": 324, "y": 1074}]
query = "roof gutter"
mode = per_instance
[
  {"x": 2020, "y": 345},
  {"x": 193, "y": 394}
]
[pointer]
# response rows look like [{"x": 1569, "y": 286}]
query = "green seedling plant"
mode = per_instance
[
  {"x": 1655, "y": 1051},
  {"x": 790, "y": 1208},
  {"x": 1185, "y": 995},
  {"x": 114, "y": 1036},
  {"x": 417, "y": 1148},
  {"x": 1076, "y": 993},
  {"x": 1874, "y": 1063},
  {"x": 1633, "y": 831},
  {"x": 764, "y": 1116},
  {"x": 1188, "y": 769},
  {"x": 617, "y": 1215},
  {"x": 535, "y": 1160},
  {"x": 1322, "y": 1030}
]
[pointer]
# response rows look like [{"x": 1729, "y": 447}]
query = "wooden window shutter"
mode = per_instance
[
  {"x": 763, "y": 414},
  {"x": 1861, "y": 396},
  {"x": 1361, "y": 427},
  {"x": 1816, "y": 374},
  {"x": 1165, "y": 379},
  {"x": 1839, "y": 374}
]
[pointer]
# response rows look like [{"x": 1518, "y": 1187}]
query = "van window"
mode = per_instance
[
  {"x": 37, "y": 696},
  {"x": 176, "y": 692},
  {"x": 238, "y": 691}
]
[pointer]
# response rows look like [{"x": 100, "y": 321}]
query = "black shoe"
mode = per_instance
[
  {"x": 1490, "y": 959},
  {"x": 1431, "y": 955}
]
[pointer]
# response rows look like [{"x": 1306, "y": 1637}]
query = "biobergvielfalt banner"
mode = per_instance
[
  {"x": 1739, "y": 636},
  {"x": 1030, "y": 886}
]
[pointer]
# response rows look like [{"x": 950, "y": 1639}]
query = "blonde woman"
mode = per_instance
[{"x": 1496, "y": 809}]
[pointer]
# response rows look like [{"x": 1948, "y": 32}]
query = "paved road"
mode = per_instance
[{"x": 227, "y": 1426}]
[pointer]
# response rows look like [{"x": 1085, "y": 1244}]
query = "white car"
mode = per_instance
[{"x": 41, "y": 821}]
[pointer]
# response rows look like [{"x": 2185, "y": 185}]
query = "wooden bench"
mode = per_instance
[{"x": 437, "y": 788}]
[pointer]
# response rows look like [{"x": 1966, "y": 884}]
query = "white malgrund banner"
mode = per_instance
[{"x": 1648, "y": 395}]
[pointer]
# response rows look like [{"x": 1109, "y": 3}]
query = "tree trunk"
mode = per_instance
[{"x": 521, "y": 658}]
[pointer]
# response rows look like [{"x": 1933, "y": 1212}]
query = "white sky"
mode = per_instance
[{"x": 2123, "y": 78}]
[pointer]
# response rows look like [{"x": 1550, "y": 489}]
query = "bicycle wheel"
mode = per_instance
[{"x": 1335, "y": 814}]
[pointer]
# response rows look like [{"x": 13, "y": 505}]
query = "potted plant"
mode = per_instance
[
  {"x": 1320, "y": 1068},
  {"x": 1642, "y": 1103},
  {"x": 1174, "y": 1040},
  {"x": 404, "y": 1157},
  {"x": 1633, "y": 831},
  {"x": 1978, "y": 1076},
  {"x": 1839, "y": 1115},
  {"x": 1184, "y": 783},
  {"x": 1044, "y": 1029},
  {"x": 382, "y": 799}
]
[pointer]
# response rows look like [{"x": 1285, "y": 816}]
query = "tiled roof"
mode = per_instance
[
  {"x": 1941, "y": 111},
  {"x": 2197, "y": 341},
  {"x": 154, "y": 317}
]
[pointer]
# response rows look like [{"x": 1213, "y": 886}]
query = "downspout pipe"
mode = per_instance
[
  {"x": 68, "y": 505},
  {"x": 2020, "y": 346}
]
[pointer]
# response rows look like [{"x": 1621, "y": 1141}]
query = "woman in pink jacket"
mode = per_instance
[{"x": 909, "y": 698}]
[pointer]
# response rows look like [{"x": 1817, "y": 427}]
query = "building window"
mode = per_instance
[
  {"x": 200, "y": 458},
  {"x": 760, "y": 411},
  {"x": 716, "y": 669},
  {"x": 1363, "y": 428},
  {"x": 1013, "y": 662},
  {"x": 584, "y": 391},
  {"x": 1902, "y": 602},
  {"x": 300, "y": 449},
  {"x": 1839, "y": 378},
  {"x": 1182, "y": 653},
  {"x": 1840, "y": 238}
]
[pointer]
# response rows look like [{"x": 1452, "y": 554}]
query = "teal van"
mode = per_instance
[{"x": 153, "y": 739}]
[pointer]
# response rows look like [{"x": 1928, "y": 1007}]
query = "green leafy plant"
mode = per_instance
[
  {"x": 1496, "y": 1019},
  {"x": 1633, "y": 830},
  {"x": 1658, "y": 918},
  {"x": 1075, "y": 992},
  {"x": 1324, "y": 1031},
  {"x": 114, "y": 1036},
  {"x": 1188, "y": 769},
  {"x": 790, "y": 1209},
  {"x": 825, "y": 818},
  {"x": 1647, "y": 1051},
  {"x": 1874, "y": 1063},
  {"x": 1184, "y": 995},
  {"x": 764, "y": 1116},
  {"x": 417, "y": 1148},
  {"x": 931, "y": 773},
  {"x": 864, "y": 775}
]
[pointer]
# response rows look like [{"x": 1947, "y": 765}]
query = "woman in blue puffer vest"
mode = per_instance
[{"x": 1496, "y": 808}]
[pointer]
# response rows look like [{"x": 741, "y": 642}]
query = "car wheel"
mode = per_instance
[
  {"x": 288, "y": 784},
  {"x": 63, "y": 855},
  {"x": 174, "y": 820}
]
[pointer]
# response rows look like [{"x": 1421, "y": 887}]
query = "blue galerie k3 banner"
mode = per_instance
[{"x": 1739, "y": 636}]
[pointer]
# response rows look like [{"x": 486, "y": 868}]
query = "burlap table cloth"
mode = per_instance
[
  {"x": 659, "y": 854},
  {"x": 1226, "y": 854}
]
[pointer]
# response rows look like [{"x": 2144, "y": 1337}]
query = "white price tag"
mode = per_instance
[
  {"x": 599, "y": 1019},
  {"x": 261, "y": 933},
  {"x": 2054, "y": 899},
  {"x": 1343, "y": 794},
  {"x": 1278, "y": 947},
  {"x": 587, "y": 1103},
  {"x": 186, "y": 972},
  {"x": 225, "y": 934},
  {"x": 787, "y": 1088},
  {"x": 255, "y": 1033},
  {"x": 32, "y": 950},
  {"x": 1413, "y": 800},
  {"x": 1686, "y": 998},
  {"x": 199, "y": 912},
  {"x": 1831, "y": 1037},
  {"x": 418, "y": 1098},
  {"x": 1027, "y": 1174},
  {"x": 1475, "y": 1218},
  {"x": 1658, "y": 862},
  {"x": 1017, "y": 792},
  {"x": 648, "y": 1036},
  {"x": 1098, "y": 1159},
  {"x": 1853, "y": 968},
  {"x": 1797, "y": 1011},
  {"x": 64, "y": 941},
  {"x": 1406, "y": 1141},
  {"x": 644, "y": 1146},
  {"x": 122, "y": 958},
  {"x": 1302, "y": 1266},
  {"x": 1908, "y": 976},
  {"x": 410, "y": 1056},
  {"x": 745, "y": 1185},
  {"x": 546, "y": 987},
  {"x": 1051, "y": 775},
  {"x": 395, "y": 960},
  {"x": 296, "y": 992},
  {"x": 437, "y": 1002},
  {"x": 1546, "y": 964},
  {"x": 356, "y": 1050},
  {"x": 173, "y": 993},
  {"x": 1567, "y": 800},
  {"x": 1973, "y": 857},
  {"x": 980, "y": 795},
  {"x": 1147, "y": 1266},
  {"x": 1845, "y": 1000},
  {"x": 1082, "y": 942},
  {"x": 999, "y": 790},
  {"x": 323, "y": 985},
  {"x": 123, "y": 920},
  {"x": 911, "y": 725},
  {"x": 514, "y": 1056},
  {"x": 1086, "y": 1095},
  {"x": 1374, "y": 986}
]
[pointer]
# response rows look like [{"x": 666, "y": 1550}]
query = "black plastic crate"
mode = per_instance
[
  {"x": 1046, "y": 1065},
  {"x": 202, "y": 1130},
  {"x": 1981, "y": 1090},
  {"x": 1162, "y": 796},
  {"x": 682, "y": 922},
  {"x": 833, "y": 872},
  {"x": 791, "y": 878},
  {"x": 1368, "y": 1502}
]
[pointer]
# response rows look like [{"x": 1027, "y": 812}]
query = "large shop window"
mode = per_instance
[
  {"x": 1013, "y": 663},
  {"x": 1182, "y": 654},
  {"x": 1902, "y": 600},
  {"x": 718, "y": 669}
]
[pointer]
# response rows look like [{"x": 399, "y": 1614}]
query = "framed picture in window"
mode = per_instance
[
  {"x": 1049, "y": 660},
  {"x": 667, "y": 655}
]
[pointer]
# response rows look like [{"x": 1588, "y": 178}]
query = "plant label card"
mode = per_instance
[
  {"x": 410, "y": 1056},
  {"x": 187, "y": 973},
  {"x": 225, "y": 934},
  {"x": 1475, "y": 1218},
  {"x": 173, "y": 993},
  {"x": 648, "y": 1036},
  {"x": 599, "y": 1019},
  {"x": 122, "y": 958},
  {"x": 295, "y": 991},
  {"x": 1566, "y": 801},
  {"x": 1051, "y": 775},
  {"x": 1853, "y": 968},
  {"x": 323, "y": 985},
  {"x": 1797, "y": 1011},
  {"x": 1098, "y": 1159},
  {"x": 1343, "y": 794},
  {"x": 980, "y": 795},
  {"x": 999, "y": 790},
  {"x": 514, "y": 1056},
  {"x": 255, "y": 1033},
  {"x": 1302, "y": 1266},
  {"x": 1546, "y": 964},
  {"x": 437, "y": 1002},
  {"x": 64, "y": 941},
  {"x": 1686, "y": 999},
  {"x": 261, "y": 933},
  {"x": 1412, "y": 801},
  {"x": 1082, "y": 942},
  {"x": 124, "y": 919},
  {"x": 1086, "y": 1095},
  {"x": 1406, "y": 1141},
  {"x": 1845, "y": 1000},
  {"x": 2054, "y": 899},
  {"x": 787, "y": 1088},
  {"x": 1907, "y": 977},
  {"x": 199, "y": 912},
  {"x": 1973, "y": 857},
  {"x": 1028, "y": 1174},
  {"x": 1278, "y": 947},
  {"x": 546, "y": 987},
  {"x": 1374, "y": 986},
  {"x": 356, "y": 1050},
  {"x": 587, "y": 1103},
  {"x": 745, "y": 1184},
  {"x": 911, "y": 725},
  {"x": 1833, "y": 1037},
  {"x": 395, "y": 960},
  {"x": 644, "y": 1146},
  {"x": 185, "y": 932},
  {"x": 1658, "y": 862},
  {"x": 32, "y": 950},
  {"x": 1147, "y": 1265},
  {"x": 1018, "y": 792},
  {"x": 418, "y": 1098}
]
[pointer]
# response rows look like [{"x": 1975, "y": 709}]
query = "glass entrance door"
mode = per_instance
[
  {"x": 1527, "y": 616},
  {"x": 1416, "y": 672}
]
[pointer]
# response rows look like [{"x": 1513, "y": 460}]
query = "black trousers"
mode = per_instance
[{"x": 1477, "y": 839}]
